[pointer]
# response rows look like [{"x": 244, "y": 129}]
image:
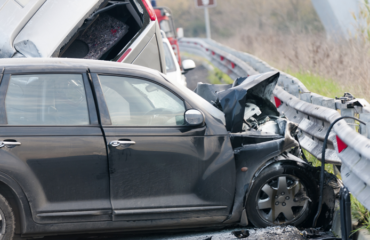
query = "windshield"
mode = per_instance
[
  {"x": 216, "y": 113},
  {"x": 166, "y": 27},
  {"x": 170, "y": 64}
]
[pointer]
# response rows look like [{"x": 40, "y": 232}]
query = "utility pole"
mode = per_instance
[
  {"x": 206, "y": 4},
  {"x": 208, "y": 25}
]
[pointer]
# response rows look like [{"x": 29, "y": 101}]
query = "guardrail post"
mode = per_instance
[
  {"x": 349, "y": 112},
  {"x": 306, "y": 97},
  {"x": 365, "y": 130},
  {"x": 294, "y": 90},
  {"x": 329, "y": 103},
  {"x": 317, "y": 100}
]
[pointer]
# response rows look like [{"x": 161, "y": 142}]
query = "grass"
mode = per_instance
[
  {"x": 317, "y": 163},
  {"x": 319, "y": 85},
  {"x": 218, "y": 77},
  {"x": 360, "y": 213}
]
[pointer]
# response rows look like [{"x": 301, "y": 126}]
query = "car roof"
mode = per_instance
[
  {"x": 56, "y": 20},
  {"x": 72, "y": 63}
]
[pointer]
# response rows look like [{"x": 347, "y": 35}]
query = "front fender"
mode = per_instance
[{"x": 254, "y": 157}]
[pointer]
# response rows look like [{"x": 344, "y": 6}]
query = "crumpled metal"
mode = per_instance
[{"x": 231, "y": 99}]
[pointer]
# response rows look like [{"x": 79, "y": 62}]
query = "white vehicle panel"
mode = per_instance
[
  {"x": 13, "y": 16},
  {"x": 53, "y": 25},
  {"x": 173, "y": 73}
]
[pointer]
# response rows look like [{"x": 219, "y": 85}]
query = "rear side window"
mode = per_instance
[
  {"x": 46, "y": 99},
  {"x": 170, "y": 63}
]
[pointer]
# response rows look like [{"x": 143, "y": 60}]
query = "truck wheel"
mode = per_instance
[
  {"x": 282, "y": 194},
  {"x": 7, "y": 220}
]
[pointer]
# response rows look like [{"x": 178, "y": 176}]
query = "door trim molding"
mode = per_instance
[
  {"x": 167, "y": 210},
  {"x": 72, "y": 214}
]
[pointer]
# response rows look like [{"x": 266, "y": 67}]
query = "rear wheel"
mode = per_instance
[
  {"x": 7, "y": 220},
  {"x": 282, "y": 194}
]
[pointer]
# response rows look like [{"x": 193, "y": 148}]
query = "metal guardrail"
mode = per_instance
[{"x": 348, "y": 143}]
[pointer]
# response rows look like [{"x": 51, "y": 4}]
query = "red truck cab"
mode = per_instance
[{"x": 166, "y": 24}]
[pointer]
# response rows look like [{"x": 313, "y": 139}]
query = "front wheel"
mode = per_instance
[{"x": 283, "y": 193}]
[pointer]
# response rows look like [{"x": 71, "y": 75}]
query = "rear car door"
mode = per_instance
[
  {"x": 159, "y": 166},
  {"x": 51, "y": 134}
]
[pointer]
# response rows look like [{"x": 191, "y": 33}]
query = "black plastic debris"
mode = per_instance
[{"x": 241, "y": 233}]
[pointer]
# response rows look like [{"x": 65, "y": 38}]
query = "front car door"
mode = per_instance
[
  {"x": 54, "y": 146},
  {"x": 161, "y": 168}
]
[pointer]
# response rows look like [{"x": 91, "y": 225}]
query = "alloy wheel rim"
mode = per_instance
[{"x": 282, "y": 200}]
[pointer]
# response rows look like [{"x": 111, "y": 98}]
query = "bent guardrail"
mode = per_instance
[{"x": 312, "y": 112}]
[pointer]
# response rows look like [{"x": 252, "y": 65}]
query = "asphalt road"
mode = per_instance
[
  {"x": 199, "y": 74},
  {"x": 273, "y": 233}
]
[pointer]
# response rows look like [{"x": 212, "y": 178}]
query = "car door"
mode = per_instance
[
  {"x": 54, "y": 144},
  {"x": 159, "y": 166}
]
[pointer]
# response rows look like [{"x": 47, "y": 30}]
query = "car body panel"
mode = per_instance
[
  {"x": 204, "y": 196},
  {"x": 46, "y": 28},
  {"x": 174, "y": 72},
  {"x": 149, "y": 57},
  {"x": 173, "y": 177},
  {"x": 52, "y": 26},
  {"x": 146, "y": 50},
  {"x": 181, "y": 163},
  {"x": 78, "y": 156},
  {"x": 13, "y": 16},
  {"x": 166, "y": 23}
]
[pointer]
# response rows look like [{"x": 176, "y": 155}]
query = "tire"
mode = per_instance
[
  {"x": 7, "y": 222},
  {"x": 283, "y": 194}
]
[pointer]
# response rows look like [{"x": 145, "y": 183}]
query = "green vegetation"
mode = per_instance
[
  {"x": 319, "y": 85},
  {"x": 218, "y": 77},
  {"x": 317, "y": 163},
  {"x": 360, "y": 213}
]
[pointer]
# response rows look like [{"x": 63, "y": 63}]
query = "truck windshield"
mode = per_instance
[{"x": 167, "y": 28}]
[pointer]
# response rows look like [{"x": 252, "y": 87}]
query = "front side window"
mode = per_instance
[
  {"x": 136, "y": 102},
  {"x": 46, "y": 99}
]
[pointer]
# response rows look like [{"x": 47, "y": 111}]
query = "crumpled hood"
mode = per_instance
[{"x": 231, "y": 99}]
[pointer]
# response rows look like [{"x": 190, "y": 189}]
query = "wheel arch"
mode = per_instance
[
  {"x": 16, "y": 198},
  {"x": 281, "y": 159}
]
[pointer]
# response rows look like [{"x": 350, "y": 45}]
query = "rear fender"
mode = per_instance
[
  {"x": 24, "y": 211},
  {"x": 23, "y": 181}
]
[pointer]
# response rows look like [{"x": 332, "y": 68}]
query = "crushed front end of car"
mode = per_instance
[{"x": 275, "y": 184}]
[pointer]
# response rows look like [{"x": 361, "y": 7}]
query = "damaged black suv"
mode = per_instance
[{"x": 94, "y": 146}]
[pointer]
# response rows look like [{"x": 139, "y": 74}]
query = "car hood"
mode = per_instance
[
  {"x": 39, "y": 28},
  {"x": 231, "y": 99}
]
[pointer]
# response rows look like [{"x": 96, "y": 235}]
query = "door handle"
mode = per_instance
[
  {"x": 117, "y": 143},
  {"x": 9, "y": 144}
]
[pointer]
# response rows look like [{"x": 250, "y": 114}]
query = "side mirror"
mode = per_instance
[
  {"x": 193, "y": 117},
  {"x": 180, "y": 33},
  {"x": 188, "y": 65}
]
